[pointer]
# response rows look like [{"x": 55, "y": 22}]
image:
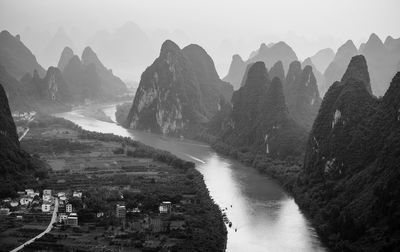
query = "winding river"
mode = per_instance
[{"x": 265, "y": 217}]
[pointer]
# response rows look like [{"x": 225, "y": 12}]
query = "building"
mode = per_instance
[
  {"x": 25, "y": 201},
  {"x": 77, "y": 194},
  {"x": 62, "y": 217},
  {"x": 14, "y": 203},
  {"x": 46, "y": 207},
  {"x": 120, "y": 211},
  {"x": 68, "y": 208},
  {"x": 4, "y": 211},
  {"x": 72, "y": 220},
  {"x": 47, "y": 192},
  {"x": 165, "y": 207}
]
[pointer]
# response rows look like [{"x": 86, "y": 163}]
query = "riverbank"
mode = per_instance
[{"x": 168, "y": 179}]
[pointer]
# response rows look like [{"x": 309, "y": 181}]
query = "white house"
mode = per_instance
[
  {"x": 165, "y": 207},
  {"x": 77, "y": 194},
  {"x": 68, "y": 208},
  {"x": 25, "y": 201},
  {"x": 62, "y": 217},
  {"x": 46, "y": 192},
  {"x": 46, "y": 207}
]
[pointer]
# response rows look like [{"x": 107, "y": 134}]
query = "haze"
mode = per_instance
[{"x": 223, "y": 28}]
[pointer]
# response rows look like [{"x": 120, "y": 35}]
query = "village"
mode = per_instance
[{"x": 102, "y": 194}]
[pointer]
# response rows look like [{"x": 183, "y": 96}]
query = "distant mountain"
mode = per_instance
[
  {"x": 16, "y": 58},
  {"x": 277, "y": 71},
  {"x": 18, "y": 168},
  {"x": 349, "y": 186},
  {"x": 84, "y": 82},
  {"x": 173, "y": 92},
  {"x": 212, "y": 87},
  {"x": 302, "y": 95},
  {"x": 89, "y": 78},
  {"x": 268, "y": 54},
  {"x": 276, "y": 52},
  {"x": 110, "y": 83},
  {"x": 337, "y": 67},
  {"x": 382, "y": 62},
  {"x": 318, "y": 75},
  {"x": 65, "y": 57},
  {"x": 236, "y": 71},
  {"x": 128, "y": 46},
  {"x": 260, "y": 120},
  {"x": 52, "y": 50},
  {"x": 322, "y": 59}
]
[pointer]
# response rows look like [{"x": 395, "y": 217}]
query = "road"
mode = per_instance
[
  {"x": 48, "y": 229},
  {"x": 24, "y": 134}
]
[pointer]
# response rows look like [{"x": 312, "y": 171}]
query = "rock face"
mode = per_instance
[
  {"x": 236, "y": 71},
  {"x": 66, "y": 56},
  {"x": 173, "y": 92},
  {"x": 302, "y": 95},
  {"x": 8, "y": 132},
  {"x": 16, "y": 58},
  {"x": 322, "y": 59},
  {"x": 270, "y": 55},
  {"x": 350, "y": 177},
  {"x": 338, "y": 66},
  {"x": 260, "y": 119},
  {"x": 18, "y": 169}
]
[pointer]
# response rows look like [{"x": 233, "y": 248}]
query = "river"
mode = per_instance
[{"x": 265, "y": 216}]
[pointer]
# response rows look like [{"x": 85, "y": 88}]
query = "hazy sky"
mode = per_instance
[{"x": 222, "y": 27}]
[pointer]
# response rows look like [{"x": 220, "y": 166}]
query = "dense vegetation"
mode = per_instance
[{"x": 349, "y": 185}]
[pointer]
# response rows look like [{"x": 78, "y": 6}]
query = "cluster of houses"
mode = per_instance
[
  {"x": 66, "y": 214},
  {"x": 30, "y": 201}
]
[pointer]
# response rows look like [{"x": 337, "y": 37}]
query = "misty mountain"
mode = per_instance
[
  {"x": 16, "y": 57},
  {"x": 318, "y": 75},
  {"x": 302, "y": 95},
  {"x": 126, "y": 47},
  {"x": 349, "y": 183},
  {"x": 110, "y": 84},
  {"x": 260, "y": 120},
  {"x": 89, "y": 78},
  {"x": 322, "y": 59},
  {"x": 338, "y": 66},
  {"x": 51, "y": 51},
  {"x": 382, "y": 62},
  {"x": 236, "y": 71},
  {"x": 269, "y": 54},
  {"x": 15, "y": 92},
  {"x": 178, "y": 92},
  {"x": 66, "y": 56},
  {"x": 277, "y": 71}
]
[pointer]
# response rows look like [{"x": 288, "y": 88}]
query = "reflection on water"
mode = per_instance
[{"x": 265, "y": 217}]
